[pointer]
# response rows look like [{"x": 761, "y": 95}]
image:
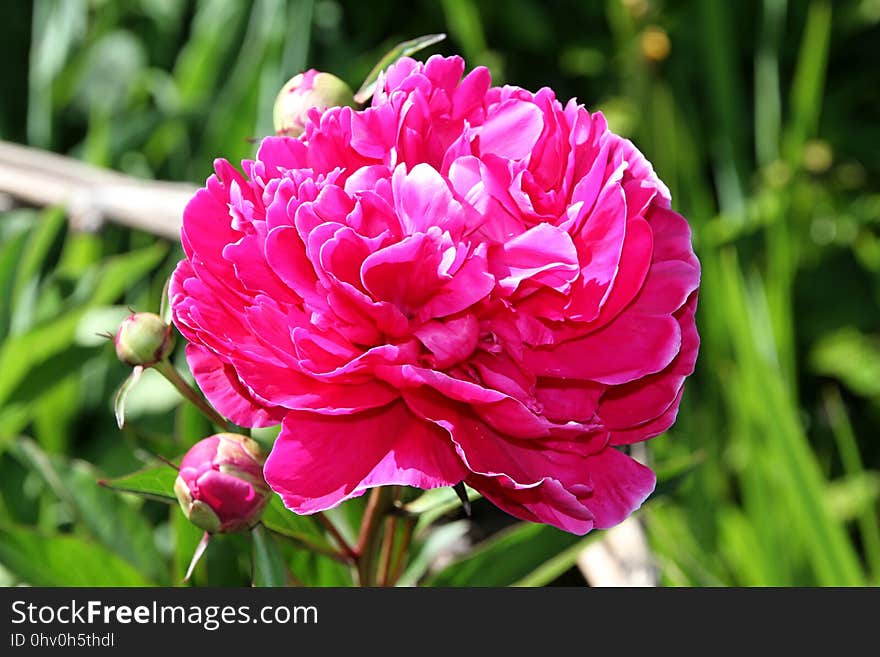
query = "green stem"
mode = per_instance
[
  {"x": 166, "y": 369},
  {"x": 377, "y": 506},
  {"x": 387, "y": 550},
  {"x": 402, "y": 551},
  {"x": 311, "y": 546}
]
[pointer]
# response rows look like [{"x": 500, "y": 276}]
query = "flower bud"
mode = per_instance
[
  {"x": 303, "y": 92},
  {"x": 220, "y": 485},
  {"x": 143, "y": 339}
]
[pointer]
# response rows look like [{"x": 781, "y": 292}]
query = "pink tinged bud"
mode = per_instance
[
  {"x": 303, "y": 92},
  {"x": 220, "y": 485},
  {"x": 143, "y": 339}
]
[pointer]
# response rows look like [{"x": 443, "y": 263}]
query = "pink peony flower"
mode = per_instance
[
  {"x": 220, "y": 484},
  {"x": 458, "y": 283}
]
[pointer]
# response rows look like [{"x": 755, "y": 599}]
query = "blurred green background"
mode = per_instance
[{"x": 762, "y": 117}]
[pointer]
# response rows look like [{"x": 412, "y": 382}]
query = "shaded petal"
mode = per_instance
[
  {"x": 251, "y": 268},
  {"x": 645, "y": 408},
  {"x": 549, "y": 502},
  {"x": 319, "y": 461},
  {"x": 599, "y": 245},
  {"x": 293, "y": 390},
  {"x": 568, "y": 399},
  {"x": 450, "y": 341},
  {"x": 544, "y": 254},
  {"x": 469, "y": 284},
  {"x": 619, "y": 486},
  {"x": 226, "y": 392},
  {"x": 629, "y": 348}
]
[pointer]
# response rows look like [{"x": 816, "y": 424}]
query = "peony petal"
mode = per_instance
[
  {"x": 422, "y": 199},
  {"x": 568, "y": 399},
  {"x": 228, "y": 496},
  {"x": 226, "y": 392},
  {"x": 635, "y": 261},
  {"x": 471, "y": 92},
  {"x": 549, "y": 502},
  {"x": 278, "y": 154},
  {"x": 672, "y": 236},
  {"x": 544, "y": 254},
  {"x": 407, "y": 273},
  {"x": 619, "y": 486},
  {"x": 251, "y": 268},
  {"x": 511, "y": 130},
  {"x": 294, "y": 390},
  {"x": 647, "y": 407},
  {"x": 629, "y": 348},
  {"x": 451, "y": 341},
  {"x": 319, "y": 461},
  {"x": 599, "y": 246},
  {"x": 471, "y": 283},
  {"x": 285, "y": 254}
]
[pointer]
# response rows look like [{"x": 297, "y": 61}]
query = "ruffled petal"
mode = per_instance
[{"x": 319, "y": 461}]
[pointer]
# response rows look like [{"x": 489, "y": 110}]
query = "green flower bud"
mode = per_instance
[
  {"x": 303, "y": 92},
  {"x": 143, "y": 339}
]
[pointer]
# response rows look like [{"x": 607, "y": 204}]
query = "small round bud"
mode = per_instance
[
  {"x": 143, "y": 339},
  {"x": 220, "y": 485},
  {"x": 303, "y": 92}
]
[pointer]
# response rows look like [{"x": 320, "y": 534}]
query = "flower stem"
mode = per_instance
[
  {"x": 347, "y": 550},
  {"x": 387, "y": 550},
  {"x": 380, "y": 501},
  {"x": 314, "y": 547},
  {"x": 166, "y": 369},
  {"x": 400, "y": 559}
]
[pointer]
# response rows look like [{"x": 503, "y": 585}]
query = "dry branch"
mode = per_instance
[{"x": 92, "y": 195}]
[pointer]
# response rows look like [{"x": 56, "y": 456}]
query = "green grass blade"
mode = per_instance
[{"x": 809, "y": 80}]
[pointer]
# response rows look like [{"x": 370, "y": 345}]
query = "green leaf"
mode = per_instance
[
  {"x": 118, "y": 273},
  {"x": 165, "y": 302},
  {"x": 848, "y": 447},
  {"x": 151, "y": 394},
  {"x": 282, "y": 520},
  {"x": 437, "y": 541},
  {"x": 126, "y": 387},
  {"x": 808, "y": 87},
  {"x": 266, "y": 436},
  {"x": 62, "y": 560},
  {"x": 852, "y": 357},
  {"x": 155, "y": 482},
  {"x": 10, "y": 254},
  {"x": 268, "y": 566},
  {"x": 36, "y": 249},
  {"x": 404, "y": 49},
  {"x": 315, "y": 569},
  {"x": 507, "y": 557},
  {"x": 22, "y": 353},
  {"x": 557, "y": 565},
  {"x": 110, "y": 519},
  {"x": 97, "y": 323},
  {"x": 190, "y": 425},
  {"x": 186, "y": 541},
  {"x": 437, "y": 502}
]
